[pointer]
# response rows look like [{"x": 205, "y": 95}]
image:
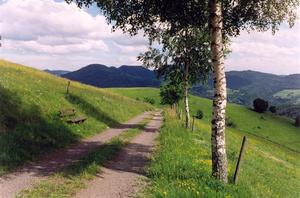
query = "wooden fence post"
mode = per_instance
[
  {"x": 193, "y": 125},
  {"x": 242, "y": 151},
  {"x": 68, "y": 86}
]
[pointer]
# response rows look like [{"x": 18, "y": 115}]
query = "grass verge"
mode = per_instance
[{"x": 181, "y": 166}]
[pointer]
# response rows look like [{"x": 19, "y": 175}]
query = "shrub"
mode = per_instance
[
  {"x": 297, "y": 121},
  {"x": 170, "y": 94},
  {"x": 260, "y": 105},
  {"x": 230, "y": 122},
  {"x": 137, "y": 98},
  {"x": 149, "y": 100},
  {"x": 199, "y": 114},
  {"x": 273, "y": 109}
]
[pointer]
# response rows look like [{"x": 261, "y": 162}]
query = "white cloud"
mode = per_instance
[
  {"x": 38, "y": 29},
  {"x": 263, "y": 51},
  {"x": 50, "y": 34}
]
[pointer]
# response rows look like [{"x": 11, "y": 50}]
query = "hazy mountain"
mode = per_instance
[
  {"x": 57, "y": 72},
  {"x": 124, "y": 76},
  {"x": 243, "y": 86}
]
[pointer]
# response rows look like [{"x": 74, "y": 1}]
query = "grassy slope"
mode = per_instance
[
  {"x": 277, "y": 129},
  {"x": 29, "y": 104},
  {"x": 182, "y": 166}
]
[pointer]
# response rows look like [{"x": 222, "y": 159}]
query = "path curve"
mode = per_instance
[
  {"x": 120, "y": 177},
  {"x": 11, "y": 184}
]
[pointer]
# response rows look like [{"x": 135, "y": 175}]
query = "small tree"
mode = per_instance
[
  {"x": 171, "y": 93},
  {"x": 199, "y": 114},
  {"x": 184, "y": 57},
  {"x": 260, "y": 105},
  {"x": 273, "y": 109}
]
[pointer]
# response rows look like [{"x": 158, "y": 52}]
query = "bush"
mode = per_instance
[
  {"x": 273, "y": 109},
  {"x": 297, "y": 121},
  {"x": 230, "y": 122},
  {"x": 260, "y": 105},
  {"x": 199, "y": 114},
  {"x": 149, "y": 100}
]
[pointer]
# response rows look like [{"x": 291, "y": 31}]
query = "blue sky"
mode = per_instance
[{"x": 52, "y": 34}]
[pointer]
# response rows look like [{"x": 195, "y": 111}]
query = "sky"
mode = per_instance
[{"x": 51, "y": 34}]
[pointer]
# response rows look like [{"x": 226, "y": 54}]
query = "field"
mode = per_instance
[
  {"x": 289, "y": 95},
  {"x": 29, "y": 122},
  {"x": 181, "y": 166}
]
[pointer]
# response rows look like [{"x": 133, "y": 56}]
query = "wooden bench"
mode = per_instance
[
  {"x": 66, "y": 112},
  {"x": 69, "y": 114},
  {"x": 76, "y": 120}
]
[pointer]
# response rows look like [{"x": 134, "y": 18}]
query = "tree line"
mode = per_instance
[{"x": 194, "y": 35}]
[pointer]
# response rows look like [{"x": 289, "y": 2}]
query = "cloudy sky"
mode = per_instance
[{"x": 52, "y": 34}]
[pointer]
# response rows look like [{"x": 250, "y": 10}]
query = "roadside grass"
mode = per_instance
[
  {"x": 181, "y": 166},
  {"x": 30, "y": 100},
  {"x": 280, "y": 130},
  {"x": 73, "y": 178}
]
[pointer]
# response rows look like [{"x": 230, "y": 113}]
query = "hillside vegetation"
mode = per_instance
[
  {"x": 182, "y": 164},
  {"x": 243, "y": 86},
  {"x": 273, "y": 128},
  {"x": 29, "y": 103}
]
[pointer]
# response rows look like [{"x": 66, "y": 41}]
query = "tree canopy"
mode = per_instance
[{"x": 153, "y": 15}]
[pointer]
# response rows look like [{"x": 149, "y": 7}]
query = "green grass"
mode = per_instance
[
  {"x": 289, "y": 94},
  {"x": 75, "y": 177},
  {"x": 139, "y": 93},
  {"x": 277, "y": 129},
  {"x": 30, "y": 100},
  {"x": 181, "y": 166}
]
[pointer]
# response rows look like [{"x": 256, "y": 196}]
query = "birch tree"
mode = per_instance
[{"x": 184, "y": 58}]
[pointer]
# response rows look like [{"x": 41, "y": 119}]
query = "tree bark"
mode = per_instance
[
  {"x": 186, "y": 96},
  {"x": 218, "y": 146}
]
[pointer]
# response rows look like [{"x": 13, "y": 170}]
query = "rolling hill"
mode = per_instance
[
  {"x": 29, "y": 126},
  {"x": 29, "y": 103},
  {"x": 243, "y": 86},
  {"x": 124, "y": 76}
]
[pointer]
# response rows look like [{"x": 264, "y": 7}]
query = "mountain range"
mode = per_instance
[
  {"x": 243, "y": 86},
  {"x": 124, "y": 76}
]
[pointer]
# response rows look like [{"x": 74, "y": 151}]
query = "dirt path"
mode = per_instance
[
  {"x": 120, "y": 177},
  {"x": 25, "y": 177}
]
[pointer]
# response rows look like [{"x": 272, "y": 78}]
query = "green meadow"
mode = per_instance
[
  {"x": 29, "y": 123},
  {"x": 181, "y": 166}
]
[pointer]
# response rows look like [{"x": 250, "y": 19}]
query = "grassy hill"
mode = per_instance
[
  {"x": 29, "y": 103},
  {"x": 181, "y": 166}
]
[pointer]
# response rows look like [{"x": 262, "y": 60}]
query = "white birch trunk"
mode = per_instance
[
  {"x": 186, "y": 96},
  {"x": 218, "y": 146}
]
